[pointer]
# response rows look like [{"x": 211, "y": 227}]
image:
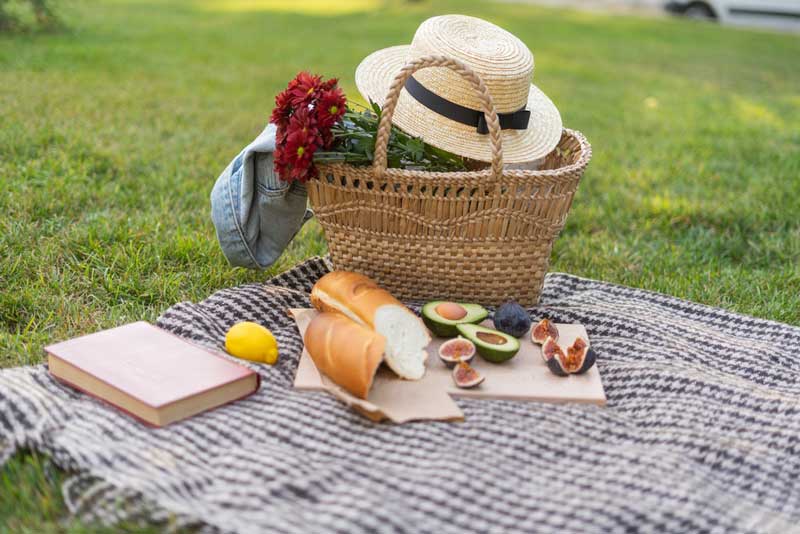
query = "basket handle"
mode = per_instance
[{"x": 487, "y": 106}]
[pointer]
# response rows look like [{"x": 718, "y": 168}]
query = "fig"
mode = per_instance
[
  {"x": 465, "y": 376},
  {"x": 543, "y": 330},
  {"x": 456, "y": 350},
  {"x": 553, "y": 355},
  {"x": 578, "y": 359},
  {"x": 512, "y": 319}
]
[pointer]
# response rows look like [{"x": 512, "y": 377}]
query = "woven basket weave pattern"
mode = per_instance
[{"x": 480, "y": 236}]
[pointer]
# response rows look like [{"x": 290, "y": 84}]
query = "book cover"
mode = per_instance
[{"x": 154, "y": 375}]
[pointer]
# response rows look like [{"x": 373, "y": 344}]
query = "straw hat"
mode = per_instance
[{"x": 531, "y": 123}]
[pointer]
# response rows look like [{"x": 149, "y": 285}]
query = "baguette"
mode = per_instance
[
  {"x": 347, "y": 352},
  {"x": 359, "y": 298}
]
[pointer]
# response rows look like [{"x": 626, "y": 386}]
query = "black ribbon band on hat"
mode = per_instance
[{"x": 518, "y": 120}]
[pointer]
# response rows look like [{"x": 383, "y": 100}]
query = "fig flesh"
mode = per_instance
[
  {"x": 544, "y": 329},
  {"x": 455, "y": 350},
  {"x": 512, "y": 319},
  {"x": 578, "y": 359},
  {"x": 465, "y": 376}
]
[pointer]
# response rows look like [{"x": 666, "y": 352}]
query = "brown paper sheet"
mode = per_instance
[{"x": 525, "y": 377}]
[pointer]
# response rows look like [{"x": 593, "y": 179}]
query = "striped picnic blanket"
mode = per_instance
[{"x": 701, "y": 434}]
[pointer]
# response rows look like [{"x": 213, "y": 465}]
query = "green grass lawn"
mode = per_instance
[{"x": 112, "y": 133}]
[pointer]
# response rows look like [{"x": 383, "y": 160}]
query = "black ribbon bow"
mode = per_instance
[{"x": 518, "y": 120}]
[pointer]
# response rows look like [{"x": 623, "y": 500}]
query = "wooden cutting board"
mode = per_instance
[{"x": 524, "y": 378}]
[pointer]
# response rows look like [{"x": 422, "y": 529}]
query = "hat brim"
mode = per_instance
[{"x": 377, "y": 71}]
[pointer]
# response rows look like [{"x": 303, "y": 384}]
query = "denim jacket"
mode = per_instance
[{"x": 255, "y": 213}]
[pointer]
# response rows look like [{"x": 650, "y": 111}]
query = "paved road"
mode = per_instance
[
  {"x": 656, "y": 8},
  {"x": 649, "y": 7}
]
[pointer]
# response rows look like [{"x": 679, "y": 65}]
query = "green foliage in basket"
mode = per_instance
[{"x": 355, "y": 138}]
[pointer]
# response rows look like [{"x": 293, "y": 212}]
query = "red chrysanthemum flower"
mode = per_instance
[
  {"x": 299, "y": 146},
  {"x": 329, "y": 84},
  {"x": 279, "y": 158},
  {"x": 303, "y": 87},
  {"x": 304, "y": 115},
  {"x": 299, "y": 154},
  {"x": 303, "y": 119},
  {"x": 280, "y": 137},
  {"x": 283, "y": 109},
  {"x": 330, "y": 107}
]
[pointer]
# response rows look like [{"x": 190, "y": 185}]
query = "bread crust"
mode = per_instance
[
  {"x": 345, "y": 351},
  {"x": 356, "y": 292}
]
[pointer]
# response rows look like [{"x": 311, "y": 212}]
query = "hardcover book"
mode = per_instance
[{"x": 149, "y": 373}]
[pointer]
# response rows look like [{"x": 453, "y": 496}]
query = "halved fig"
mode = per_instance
[
  {"x": 544, "y": 330},
  {"x": 465, "y": 376},
  {"x": 553, "y": 356},
  {"x": 580, "y": 357},
  {"x": 455, "y": 350}
]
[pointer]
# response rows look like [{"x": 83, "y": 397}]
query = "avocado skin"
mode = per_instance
[
  {"x": 490, "y": 355},
  {"x": 438, "y": 329},
  {"x": 449, "y": 329},
  {"x": 494, "y": 356}
]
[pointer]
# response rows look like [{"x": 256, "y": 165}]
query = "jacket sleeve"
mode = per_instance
[{"x": 255, "y": 213}]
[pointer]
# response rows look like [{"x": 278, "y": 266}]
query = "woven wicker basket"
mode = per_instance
[{"x": 481, "y": 236}]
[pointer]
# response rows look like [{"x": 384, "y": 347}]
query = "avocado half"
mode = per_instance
[
  {"x": 441, "y": 317},
  {"x": 493, "y": 345}
]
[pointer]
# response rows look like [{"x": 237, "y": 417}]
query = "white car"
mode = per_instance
[{"x": 783, "y": 14}]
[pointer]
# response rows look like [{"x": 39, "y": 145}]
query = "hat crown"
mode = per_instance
[{"x": 502, "y": 61}]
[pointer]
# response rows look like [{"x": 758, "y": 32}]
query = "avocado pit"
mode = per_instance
[
  {"x": 451, "y": 311},
  {"x": 492, "y": 339}
]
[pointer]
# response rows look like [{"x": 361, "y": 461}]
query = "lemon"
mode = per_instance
[{"x": 251, "y": 341}]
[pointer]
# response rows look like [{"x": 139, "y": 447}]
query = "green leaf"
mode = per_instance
[{"x": 355, "y": 137}]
